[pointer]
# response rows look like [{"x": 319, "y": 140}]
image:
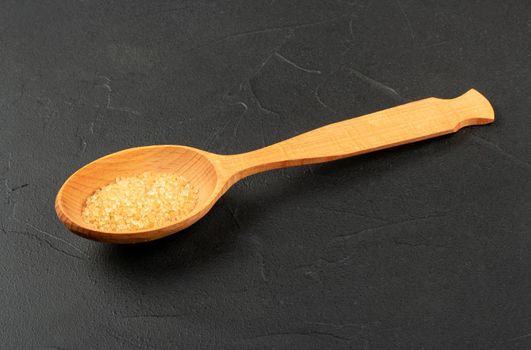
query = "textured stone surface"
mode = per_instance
[{"x": 423, "y": 246}]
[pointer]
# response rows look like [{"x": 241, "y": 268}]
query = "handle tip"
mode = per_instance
[{"x": 479, "y": 109}]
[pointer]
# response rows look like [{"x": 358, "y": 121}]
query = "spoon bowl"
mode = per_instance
[
  {"x": 213, "y": 174},
  {"x": 191, "y": 163}
]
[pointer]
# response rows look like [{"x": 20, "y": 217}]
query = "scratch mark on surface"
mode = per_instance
[
  {"x": 309, "y": 333},
  {"x": 233, "y": 215},
  {"x": 162, "y": 316},
  {"x": 293, "y": 64},
  {"x": 320, "y": 101},
  {"x": 45, "y": 241},
  {"x": 243, "y": 105},
  {"x": 440, "y": 43},
  {"x": 386, "y": 225},
  {"x": 264, "y": 30},
  {"x": 258, "y": 102},
  {"x": 335, "y": 325},
  {"x": 47, "y": 234},
  {"x": 217, "y": 133},
  {"x": 7, "y": 191},
  {"x": 411, "y": 33},
  {"x": 107, "y": 79},
  {"x": 350, "y": 212},
  {"x": 417, "y": 245},
  {"x": 107, "y": 87},
  {"x": 262, "y": 133},
  {"x": 252, "y": 91},
  {"x": 317, "y": 90},
  {"x": 16, "y": 188},
  {"x": 261, "y": 66},
  {"x": 258, "y": 242},
  {"x": 10, "y": 156},
  {"x": 318, "y": 263},
  {"x": 126, "y": 110},
  {"x": 83, "y": 145},
  {"x": 520, "y": 337},
  {"x": 497, "y": 148},
  {"x": 109, "y": 105},
  {"x": 91, "y": 128},
  {"x": 378, "y": 85},
  {"x": 237, "y": 125},
  {"x": 277, "y": 48},
  {"x": 351, "y": 30},
  {"x": 262, "y": 268}
]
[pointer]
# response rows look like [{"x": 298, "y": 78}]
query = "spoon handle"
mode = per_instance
[{"x": 395, "y": 126}]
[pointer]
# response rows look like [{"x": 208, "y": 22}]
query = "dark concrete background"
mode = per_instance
[{"x": 425, "y": 246}]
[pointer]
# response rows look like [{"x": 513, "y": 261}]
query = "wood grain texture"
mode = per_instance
[
  {"x": 395, "y": 126},
  {"x": 214, "y": 174}
]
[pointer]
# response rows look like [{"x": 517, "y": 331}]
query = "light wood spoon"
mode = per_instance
[{"x": 213, "y": 174}]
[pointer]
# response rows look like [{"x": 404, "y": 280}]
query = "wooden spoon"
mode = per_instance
[{"x": 213, "y": 174}]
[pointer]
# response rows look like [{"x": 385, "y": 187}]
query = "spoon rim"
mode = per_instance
[{"x": 88, "y": 231}]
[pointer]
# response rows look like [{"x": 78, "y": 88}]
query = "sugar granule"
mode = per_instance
[{"x": 145, "y": 201}]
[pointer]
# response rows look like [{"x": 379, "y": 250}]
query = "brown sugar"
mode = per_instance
[{"x": 146, "y": 201}]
